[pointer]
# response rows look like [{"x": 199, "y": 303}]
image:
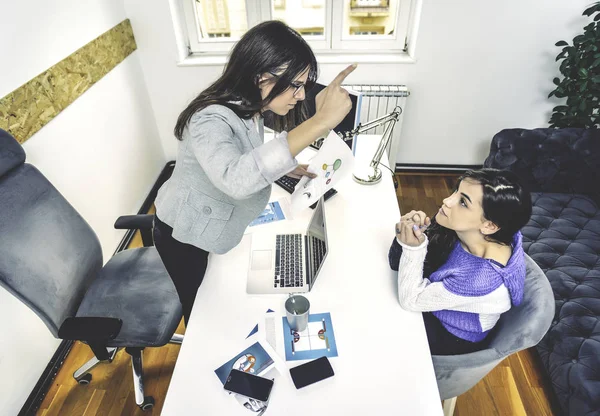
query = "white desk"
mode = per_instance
[{"x": 384, "y": 366}]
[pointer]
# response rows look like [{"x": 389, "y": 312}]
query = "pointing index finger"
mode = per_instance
[{"x": 342, "y": 75}]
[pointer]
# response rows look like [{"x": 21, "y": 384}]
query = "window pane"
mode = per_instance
[
  {"x": 364, "y": 18},
  {"x": 305, "y": 16},
  {"x": 221, "y": 19}
]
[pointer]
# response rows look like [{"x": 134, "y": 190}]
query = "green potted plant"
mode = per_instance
[{"x": 580, "y": 84}]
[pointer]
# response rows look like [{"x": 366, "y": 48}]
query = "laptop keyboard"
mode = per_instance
[
  {"x": 288, "y": 260},
  {"x": 318, "y": 252},
  {"x": 288, "y": 183}
]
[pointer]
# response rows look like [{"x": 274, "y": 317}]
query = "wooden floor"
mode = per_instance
[{"x": 517, "y": 386}]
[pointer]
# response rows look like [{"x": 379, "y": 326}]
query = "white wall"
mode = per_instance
[
  {"x": 102, "y": 152},
  {"x": 480, "y": 68}
]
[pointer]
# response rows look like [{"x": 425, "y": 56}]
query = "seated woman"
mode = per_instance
[{"x": 465, "y": 267}]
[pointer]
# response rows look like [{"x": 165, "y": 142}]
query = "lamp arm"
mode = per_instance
[
  {"x": 361, "y": 128},
  {"x": 389, "y": 120},
  {"x": 385, "y": 139}
]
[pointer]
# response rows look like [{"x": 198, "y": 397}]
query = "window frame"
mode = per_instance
[
  {"x": 214, "y": 51},
  {"x": 344, "y": 42}
]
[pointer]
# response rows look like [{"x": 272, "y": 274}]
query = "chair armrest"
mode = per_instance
[
  {"x": 134, "y": 222},
  {"x": 144, "y": 223},
  {"x": 90, "y": 329}
]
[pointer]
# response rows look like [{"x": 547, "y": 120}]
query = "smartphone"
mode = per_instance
[
  {"x": 249, "y": 385},
  {"x": 311, "y": 372}
]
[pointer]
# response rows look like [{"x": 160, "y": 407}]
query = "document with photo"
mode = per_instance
[
  {"x": 256, "y": 358},
  {"x": 275, "y": 211}
]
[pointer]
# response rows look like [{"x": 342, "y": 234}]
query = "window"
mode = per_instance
[{"x": 329, "y": 26}]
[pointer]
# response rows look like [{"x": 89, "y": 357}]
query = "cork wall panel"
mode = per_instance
[{"x": 31, "y": 106}]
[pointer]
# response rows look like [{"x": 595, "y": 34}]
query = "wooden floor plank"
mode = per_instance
[
  {"x": 532, "y": 385},
  {"x": 476, "y": 402},
  {"x": 124, "y": 386},
  {"x": 55, "y": 408},
  {"x": 94, "y": 403},
  {"x": 505, "y": 394}
]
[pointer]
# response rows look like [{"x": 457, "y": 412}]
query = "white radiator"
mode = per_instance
[{"x": 377, "y": 101}]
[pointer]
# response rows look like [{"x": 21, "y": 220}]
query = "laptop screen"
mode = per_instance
[{"x": 316, "y": 243}]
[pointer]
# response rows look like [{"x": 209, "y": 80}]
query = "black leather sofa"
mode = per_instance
[{"x": 562, "y": 169}]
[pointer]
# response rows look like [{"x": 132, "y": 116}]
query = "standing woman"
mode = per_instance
[{"x": 224, "y": 171}]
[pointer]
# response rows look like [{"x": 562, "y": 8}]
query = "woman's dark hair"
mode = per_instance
[
  {"x": 505, "y": 203},
  {"x": 271, "y": 46}
]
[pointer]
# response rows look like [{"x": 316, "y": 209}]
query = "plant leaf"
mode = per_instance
[
  {"x": 583, "y": 72},
  {"x": 561, "y": 43},
  {"x": 592, "y": 9}
]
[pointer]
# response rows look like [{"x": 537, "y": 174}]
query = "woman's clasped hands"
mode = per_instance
[{"x": 410, "y": 229}]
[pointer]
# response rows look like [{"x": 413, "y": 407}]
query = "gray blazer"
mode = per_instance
[{"x": 222, "y": 179}]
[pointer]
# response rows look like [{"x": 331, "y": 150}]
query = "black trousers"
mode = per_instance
[
  {"x": 442, "y": 342},
  {"x": 185, "y": 263}
]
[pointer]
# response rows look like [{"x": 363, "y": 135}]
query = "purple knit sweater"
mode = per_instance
[
  {"x": 468, "y": 275},
  {"x": 460, "y": 291}
]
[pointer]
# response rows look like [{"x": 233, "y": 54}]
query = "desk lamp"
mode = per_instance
[{"x": 389, "y": 120}]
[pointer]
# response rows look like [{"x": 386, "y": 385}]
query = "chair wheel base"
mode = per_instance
[
  {"x": 85, "y": 379},
  {"x": 148, "y": 403}
]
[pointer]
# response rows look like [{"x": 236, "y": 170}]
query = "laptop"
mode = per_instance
[{"x": 288, "y": 263}]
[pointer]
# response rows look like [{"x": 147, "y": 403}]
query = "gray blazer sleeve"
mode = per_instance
[{"x": 235, "y": 172}]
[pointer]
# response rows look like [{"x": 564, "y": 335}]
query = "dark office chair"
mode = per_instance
[{"x": 51, "y": 260}]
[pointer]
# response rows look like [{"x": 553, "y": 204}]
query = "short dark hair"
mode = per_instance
[{"x": 270, "y": 46}]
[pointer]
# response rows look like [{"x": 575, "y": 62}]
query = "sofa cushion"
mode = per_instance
[{"x": 563, "y": 237}]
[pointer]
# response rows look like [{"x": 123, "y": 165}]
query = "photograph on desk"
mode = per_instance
[
  {"x": 317, "y": 340},
  {"x": 253, "y": 359},
  {"x": 257, "y": 358}
]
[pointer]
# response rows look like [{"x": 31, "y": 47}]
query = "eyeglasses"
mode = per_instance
[{"x": 297, "y": 86}]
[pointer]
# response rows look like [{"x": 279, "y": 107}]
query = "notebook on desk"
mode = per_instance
[{"x": 288, "y": 263}]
